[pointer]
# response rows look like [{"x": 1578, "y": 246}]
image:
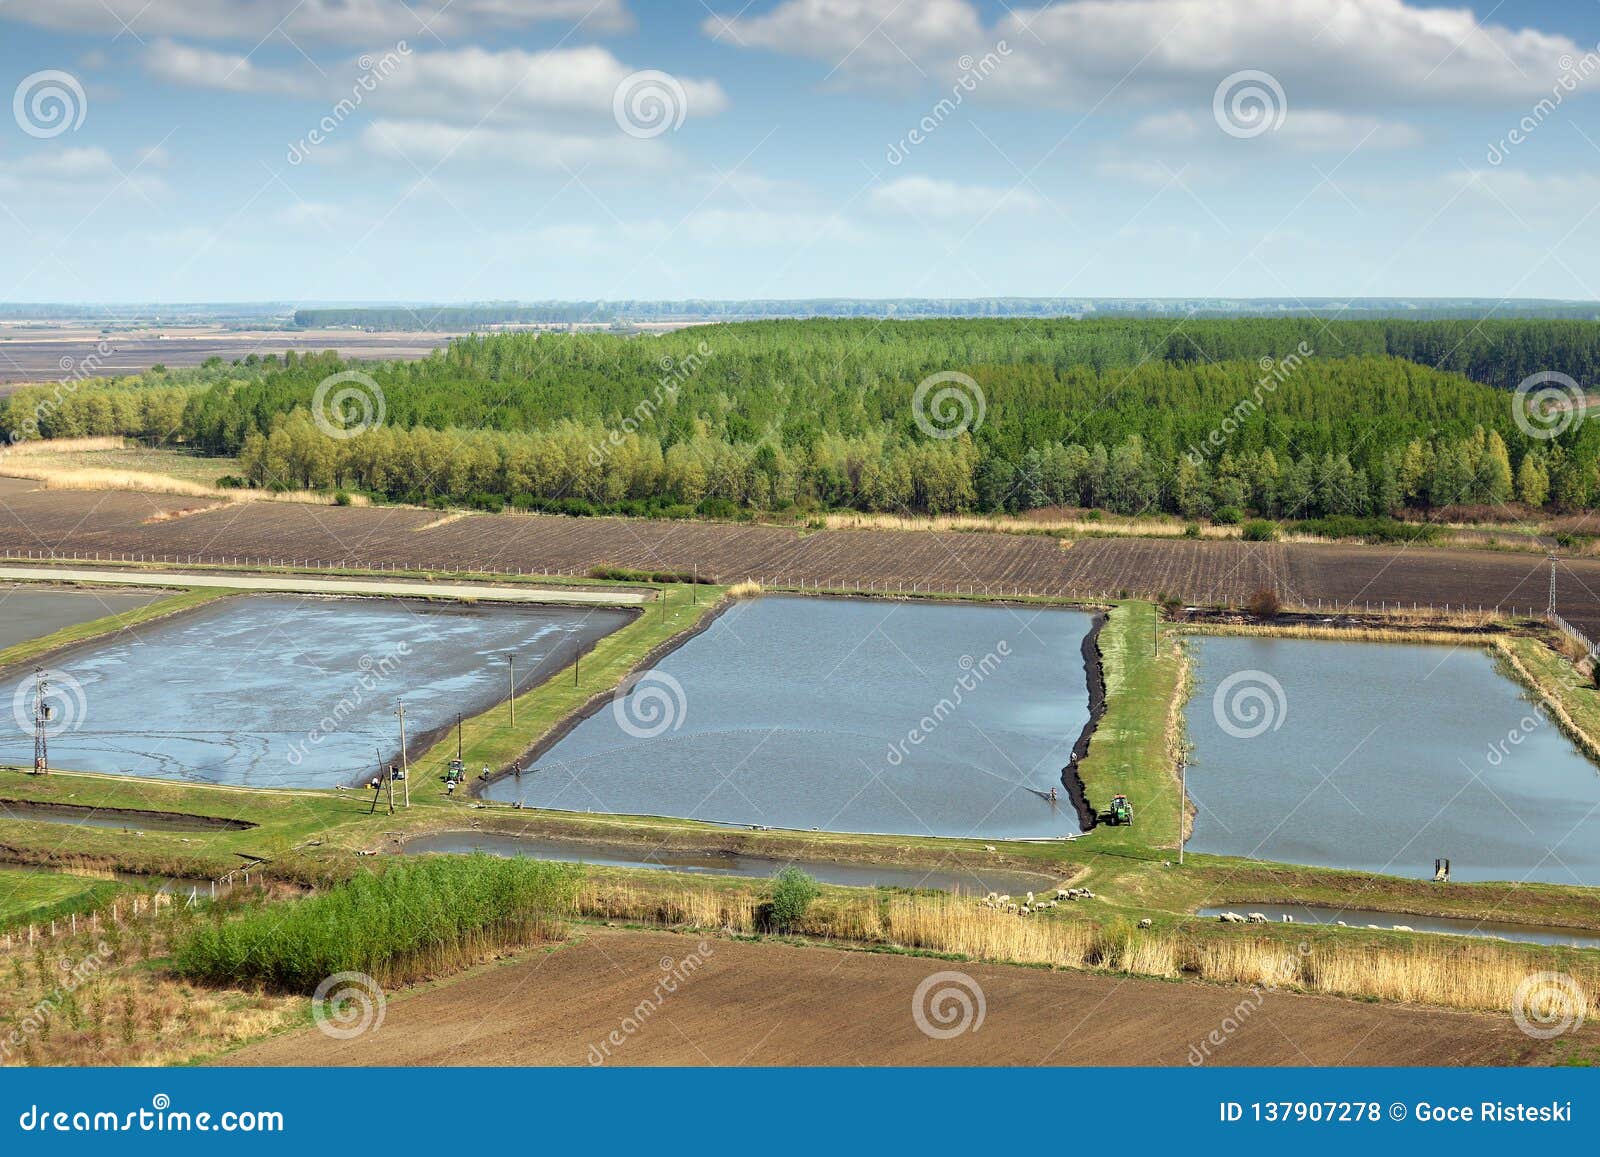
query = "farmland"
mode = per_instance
[{"x": 1222, "y": 572}]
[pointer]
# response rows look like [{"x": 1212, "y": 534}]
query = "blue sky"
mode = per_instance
[{"x": 1093, "y": 150}]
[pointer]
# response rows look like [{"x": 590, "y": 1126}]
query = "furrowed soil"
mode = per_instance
[
  {"x": 769, "y": 1003},
  {"x": 1203, "y": 572}
]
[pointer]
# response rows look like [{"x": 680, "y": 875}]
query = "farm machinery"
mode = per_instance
[{"x": 1120, "y": 813}]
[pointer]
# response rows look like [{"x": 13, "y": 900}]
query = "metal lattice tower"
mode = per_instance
[
  {"x": 1550, "y": 610},
  {"x": 41, "y": 718}
]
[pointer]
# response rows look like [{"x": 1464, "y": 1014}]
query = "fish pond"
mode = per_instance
[
  {"x": 288, "y": 690},
  {"x": 841, "y": 715},
  {"x": 1382, "y": 758}
]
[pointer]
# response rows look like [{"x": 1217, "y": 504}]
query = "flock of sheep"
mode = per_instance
[
  {"x": 1031, "y": 905},
  {"x": 1260, "y": 918}
]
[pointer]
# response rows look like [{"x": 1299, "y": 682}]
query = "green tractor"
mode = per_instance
[{"x": 1120, "y": 813}]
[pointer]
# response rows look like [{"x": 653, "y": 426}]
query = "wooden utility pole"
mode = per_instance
[
  {"x": 511, "y": 686},
  {"x": 405, "y": 760},
  {"x": 377, "y": 788}
]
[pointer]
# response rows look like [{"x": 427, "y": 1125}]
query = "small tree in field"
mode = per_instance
[
  {"x": 1265, "y": 604},
  {"x": 792, "y": 893}
]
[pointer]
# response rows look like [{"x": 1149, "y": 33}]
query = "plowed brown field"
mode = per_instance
[
  {"x": 112, "y": 523},
  {"x": 774, "y": 1004}
]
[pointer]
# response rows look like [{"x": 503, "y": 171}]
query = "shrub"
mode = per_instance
[
  {"x": 1259, "y": 530},
  {"x": 341, "y": 498},
  {"x": 1265, "y": 604},
  {"x": 792, "y": 893},
  {"x": 1192, "y": 530},
  {"x": 1227, "y": 515}
]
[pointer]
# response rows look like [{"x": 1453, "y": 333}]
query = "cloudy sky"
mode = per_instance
[{"x": 231, "y": 150}]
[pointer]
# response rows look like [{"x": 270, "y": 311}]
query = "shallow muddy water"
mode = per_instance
[
  {"x": 286, "y": 690},
  {"x": 841, "y": 715},
  {"x": 1310, "y": 914},
  {"x": 31, "y": 612},
  {"x": 1382, "y": 757},
  {"x": 716, "y": 864}
]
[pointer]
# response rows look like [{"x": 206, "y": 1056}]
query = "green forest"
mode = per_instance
[{"x": 1220, "y": 419}]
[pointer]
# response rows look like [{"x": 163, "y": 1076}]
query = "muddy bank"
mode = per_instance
[
  {"x": 116, "y": 817},
  {"x": 594, "y": 704},
  {"x": 1095, "y": 678},
  {"x": 1435, "y": 925}
]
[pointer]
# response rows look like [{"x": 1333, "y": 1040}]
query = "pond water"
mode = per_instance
[
  {"x": 841, "y": 715},
  {"x": 1311, "y": 914},
  {"x": 728, "y": 864},
  {"x": 1383, "y": 757},
  {"x": 30, "y": 612},
  {"x": 287, "y": 690}
]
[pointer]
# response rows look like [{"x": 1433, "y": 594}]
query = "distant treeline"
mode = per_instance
[
  {"x": 1284, "y": 417},
  {"x": 455, "y": 318}
]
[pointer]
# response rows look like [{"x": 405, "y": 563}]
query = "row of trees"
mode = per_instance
[{"x": 1235, "y": 415}]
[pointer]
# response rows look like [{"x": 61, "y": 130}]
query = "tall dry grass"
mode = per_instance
[
  {"x": 748, "y": 589},
  {"x": 1420, "y": 969}
]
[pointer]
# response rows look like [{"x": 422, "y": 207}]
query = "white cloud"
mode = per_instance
[
  {"x": 1327, "y": 53},
  {"x": 428, "y": 143},
  {"x": 1306, "y": 130},
  {"x": 934, "y": 199},
  {"x": 202, "y": 68},
  {"x": 89, "y": 171},
  {"x": 470, "y": 84},
  {"x": 359, "y": 22}
]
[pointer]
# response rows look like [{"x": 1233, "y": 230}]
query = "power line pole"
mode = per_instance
[
  {"x": 405, "y": 760},
  {"x": 41, "y": 717},
  {"x": 511, "y": 686},
  {"x": 1550, "y": 610}
]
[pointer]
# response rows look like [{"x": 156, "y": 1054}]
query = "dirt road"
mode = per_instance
[
  {"x": 300, "y": 585},
  {"x": 773, "y": 1004}
]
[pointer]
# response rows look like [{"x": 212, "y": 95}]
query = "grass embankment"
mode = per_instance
[
  {"x": 186, "y": 600},
  {"x": 1134, "y": 751},
  {"x": 420, "y": 917},
  {"x": 490, "y": 739},
  {"x": 1570, "y": 701},
  {"x": 30, "y": 896}
]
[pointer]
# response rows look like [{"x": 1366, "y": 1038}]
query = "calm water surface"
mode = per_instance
[
  {"x": 841, "y": 715},
  {"x": 1381, "y": 757},
  {"x": 28, "y": 612}
]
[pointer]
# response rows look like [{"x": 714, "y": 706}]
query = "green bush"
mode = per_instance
[
  {"x": 792, "y": 893},
  {"x": 1259, "y": 530},
  {"x": 435, "y": 913}
]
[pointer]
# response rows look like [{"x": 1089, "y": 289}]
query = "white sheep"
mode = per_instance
[{"x": 1258, "y": 918}]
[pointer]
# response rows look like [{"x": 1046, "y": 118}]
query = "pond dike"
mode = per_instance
[{"x": 1095, "y": 680}]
